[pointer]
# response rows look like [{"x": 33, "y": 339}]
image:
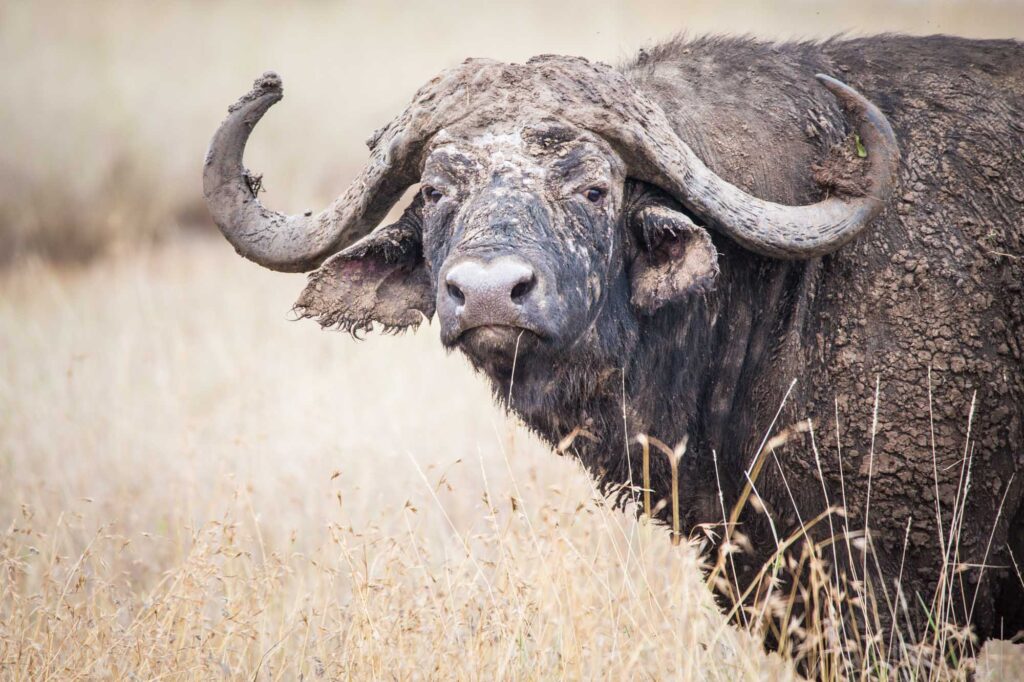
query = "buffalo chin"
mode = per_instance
[{"x": 496, "y": 348}]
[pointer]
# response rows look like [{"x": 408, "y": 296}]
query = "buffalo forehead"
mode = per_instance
[{"x": 522, "y": 153}]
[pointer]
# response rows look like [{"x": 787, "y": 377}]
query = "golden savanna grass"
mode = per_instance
[{"x": 194, "y": 487}]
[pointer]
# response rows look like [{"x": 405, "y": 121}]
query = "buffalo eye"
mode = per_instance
[
  {"x": 595, "y": 194},
  {"x": 431, "y": 195}
]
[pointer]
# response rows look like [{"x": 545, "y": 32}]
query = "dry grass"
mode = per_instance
[
  {"x": 194, "y": 489},
  {"x": 191, "y": 487}
]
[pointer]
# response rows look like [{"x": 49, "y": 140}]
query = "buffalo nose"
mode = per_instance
[{"x": 492, "y": 290}]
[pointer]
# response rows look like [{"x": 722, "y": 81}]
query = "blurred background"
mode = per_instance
[
  {"x": 187, "y": 477},
  {"x": 108, "y": 106}
]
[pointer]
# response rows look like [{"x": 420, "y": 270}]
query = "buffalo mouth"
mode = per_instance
[{"x": 496, "y": 347}]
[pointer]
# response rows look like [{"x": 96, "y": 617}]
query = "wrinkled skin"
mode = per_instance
[
  {"x": 523, "y": 192},
  {"x": 641, "y": 319},
  {"x": 558, "y": 198}
]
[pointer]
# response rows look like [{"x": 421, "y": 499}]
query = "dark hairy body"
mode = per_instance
[
  {"x": 936, "y": 285},
  {"x": 905, "y": 345}
]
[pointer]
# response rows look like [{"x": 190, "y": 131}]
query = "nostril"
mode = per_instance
[
  {"x": 456, "y": 293},
  {"x": 520, "y": 290}
]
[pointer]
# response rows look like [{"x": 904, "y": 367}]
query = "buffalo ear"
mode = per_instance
[
  {"x": 675, "y": 258},
  {"x": 381, "y": 278}
]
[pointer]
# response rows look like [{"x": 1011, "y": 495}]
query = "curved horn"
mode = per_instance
[
  {"x": 795, "y": 232},
  {"x": 656, "y": 154},
  {"x": 295, "y": 243},
  {"x": 607, "y": 102},
  {"x": 480, "y": 92}
]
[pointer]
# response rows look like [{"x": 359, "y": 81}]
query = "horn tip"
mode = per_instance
[
  {"x": 847, "y": 96},
  {"x": 828, "y": 81},
  {"x": 267, "y": 84},
  {"x": 838, "y": 88},
  {"x": 268, "y": 81}
]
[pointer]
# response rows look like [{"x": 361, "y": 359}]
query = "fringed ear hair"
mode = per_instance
[
  {"x": 380, "y": 279},
  {"x": 675, "y": 258}
]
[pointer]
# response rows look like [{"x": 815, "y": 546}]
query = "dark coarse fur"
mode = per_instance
[
  {"x": 929, "y": 303},
  {"x": 903, "y": 348}
]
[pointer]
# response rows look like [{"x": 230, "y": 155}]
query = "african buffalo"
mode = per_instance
[{"x": 708, "y": 243}]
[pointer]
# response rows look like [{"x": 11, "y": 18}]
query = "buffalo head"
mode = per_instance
[{"x": 557, "y": 206}]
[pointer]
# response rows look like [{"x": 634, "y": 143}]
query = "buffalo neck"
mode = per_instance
[{"x": 702, "y": 370}]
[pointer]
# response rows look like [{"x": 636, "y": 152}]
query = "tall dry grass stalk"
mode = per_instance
[
  {"x": 191, "y": 488},
  {"x": 836, "y": 624}
]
